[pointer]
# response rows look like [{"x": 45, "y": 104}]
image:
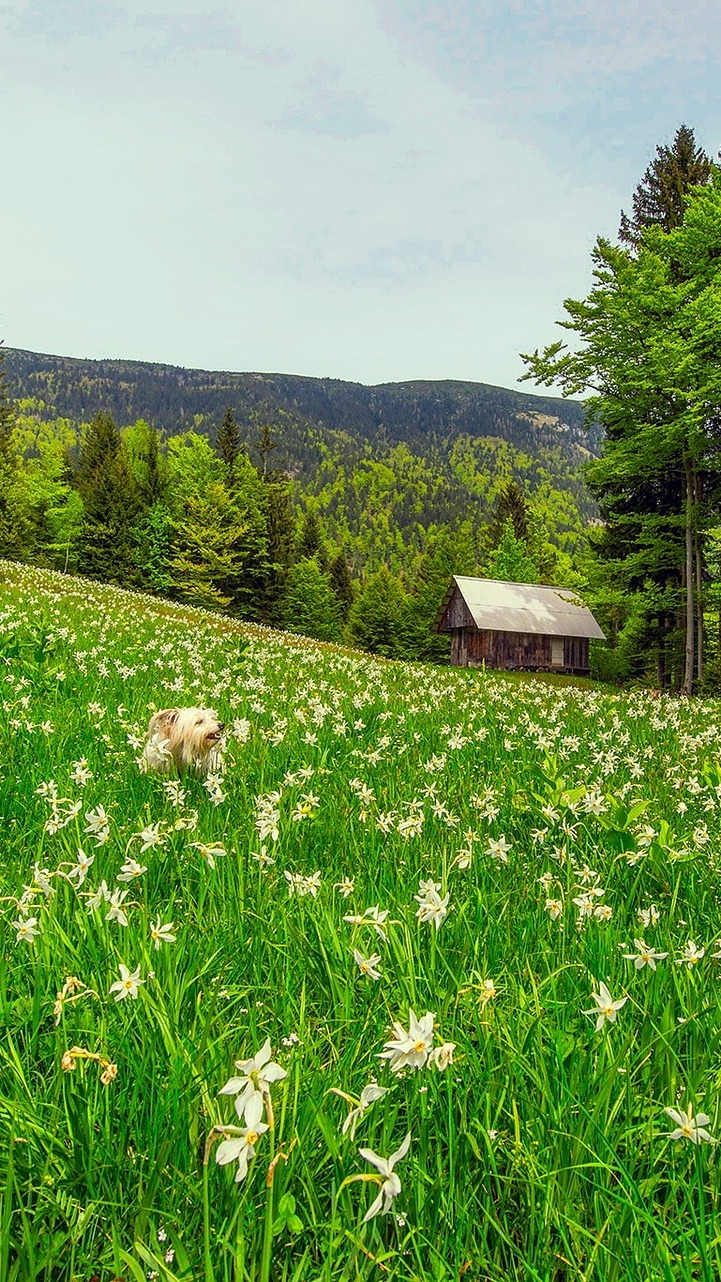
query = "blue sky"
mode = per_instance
[{"x": 364, "y": 189}]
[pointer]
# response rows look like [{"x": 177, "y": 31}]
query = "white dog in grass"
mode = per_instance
[{"x": 184, "y": 739}]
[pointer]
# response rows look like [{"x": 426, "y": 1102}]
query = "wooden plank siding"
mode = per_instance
[{"x": 471, "y": 647}]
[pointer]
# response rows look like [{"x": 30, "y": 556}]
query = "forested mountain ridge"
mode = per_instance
[
  {"x": 417, "y": 412},
  {"x": 383, "y": 467}
]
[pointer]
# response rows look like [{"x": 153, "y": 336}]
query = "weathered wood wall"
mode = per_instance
[{"x": 471, "y": 647}]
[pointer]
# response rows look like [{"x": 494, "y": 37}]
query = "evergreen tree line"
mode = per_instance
[
  {"x": 649, "y": 351},
  {"x": 209, "y": 527}
]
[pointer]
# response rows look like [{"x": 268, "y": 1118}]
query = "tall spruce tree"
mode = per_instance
[
  {"x": 378, "y": 619},
  {"x": 16, "y": 527},
  {"x": 341, "y": 583},
  {"x": 229, "y": 445},
  {"x": 660, "y": 198},
  {"x": 111, "y": 504},
  {"x": 510, "y": 505},
  {"x": 311, "y": 542},
  {"x": 309, "y": 604},
  {"x": 447, "y": 552}
]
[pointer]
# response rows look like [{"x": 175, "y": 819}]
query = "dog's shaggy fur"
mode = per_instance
[{"x": 184, "y": 739}]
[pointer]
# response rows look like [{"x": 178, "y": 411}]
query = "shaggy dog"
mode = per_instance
[{"x": 184, "y": 738}]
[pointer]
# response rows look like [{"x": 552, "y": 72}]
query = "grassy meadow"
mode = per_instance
[{"x": 497, "y": 900}]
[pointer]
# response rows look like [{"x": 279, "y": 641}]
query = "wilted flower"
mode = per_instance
[
  {"x": 390, "y": 1185},
  {"x": 442, "y": 1056},
  {"x": 368, "y": 1096}
]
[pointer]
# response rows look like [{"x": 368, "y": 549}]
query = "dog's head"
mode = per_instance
[{"x": 198, "y": 730}]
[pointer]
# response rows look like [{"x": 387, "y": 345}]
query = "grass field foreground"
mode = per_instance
[{"x": 483, "y": 914}]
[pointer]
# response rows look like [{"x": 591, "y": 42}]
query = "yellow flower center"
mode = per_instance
[
  {"x": 419, "y": 1046},
  {"x": 252, "y": 1137}
]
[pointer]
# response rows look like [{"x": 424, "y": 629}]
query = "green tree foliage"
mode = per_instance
[
  {"x": 147, "y": 461},
  {"x": 447, "y": 552},
  {"x": 510, "y": 506},
  {"x": 311, "y": 542},
  {"x": 219, "y": 537},
  {"x": 229, "y": 445},
  {"x": 511, "y": 561},
  {"x": 111, "y": 503},
  {"x": 660, "y": 198},
  {"x": 341, "y": 583},
  {"x": 309, "y": 605},
  {"x": 378, "y": 617},
  {"x": 649, "y": 333},
  {"x": 15, "y": 520}
]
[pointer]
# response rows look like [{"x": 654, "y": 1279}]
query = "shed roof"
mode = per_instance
[{"x": 496, "y": 606}]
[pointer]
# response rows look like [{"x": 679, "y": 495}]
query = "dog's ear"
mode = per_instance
[{"x": 165, "y": 719}]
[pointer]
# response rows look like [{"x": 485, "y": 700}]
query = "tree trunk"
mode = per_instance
[
  {"x": 687, "y": 684},
  {"x": 698, "y": 558}
]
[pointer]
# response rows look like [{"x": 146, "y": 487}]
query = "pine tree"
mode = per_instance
[
  {"x": 311, "y": 542},
  {"x": 16, "y": 527},
  {"x": 341, "y": 583},
  {"x": 229, "y": 445},
  {"x": 111, "y": 504},
  {"x": 510, "y": 504},
  {"x": 280, "y": 545},
  {"x": 645, "y": 354},
  {"x": 309, "y": 604},
  {"x": 660, "y": 198},
  {"x": 378, "y": 618}
]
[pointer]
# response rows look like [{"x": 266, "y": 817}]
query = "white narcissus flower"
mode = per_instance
[
  {"x": 79, "y": 870},
  {"x": 161, "y": 934},
  {"x": 644, "y": 955},
  {"x": 26, "y": 928},
  {"x": 128, "y": 985},
  {"x": 606, "y": 1008},
  {"x": 691, "y": 955},
  {"x": 209, "y": 850},
  {"x": 689, "y": 1127},
  {"x": 410, "y": 1049},
  {"x": 367, "y": 965},
  {"x": 390, "y": 1185},
  {"x": 431, "y": 908},
  {"x": 241, "y": 1148},
  {"x": 130, "y": 870},
  {"x": 253, "y": 1084}
]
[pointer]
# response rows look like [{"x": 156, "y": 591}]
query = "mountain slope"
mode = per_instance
[
  {"x": 412, "y": 412},
  {"x": 382, "y": 465}
]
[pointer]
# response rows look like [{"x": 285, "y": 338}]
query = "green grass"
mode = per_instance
[{"x": 542, "y": 1152}]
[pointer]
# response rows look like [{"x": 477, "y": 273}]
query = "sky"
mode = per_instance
[{"x": 374, "y": 190}]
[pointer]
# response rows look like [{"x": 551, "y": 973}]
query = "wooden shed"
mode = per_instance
[{"x": 516, "y": 625}]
